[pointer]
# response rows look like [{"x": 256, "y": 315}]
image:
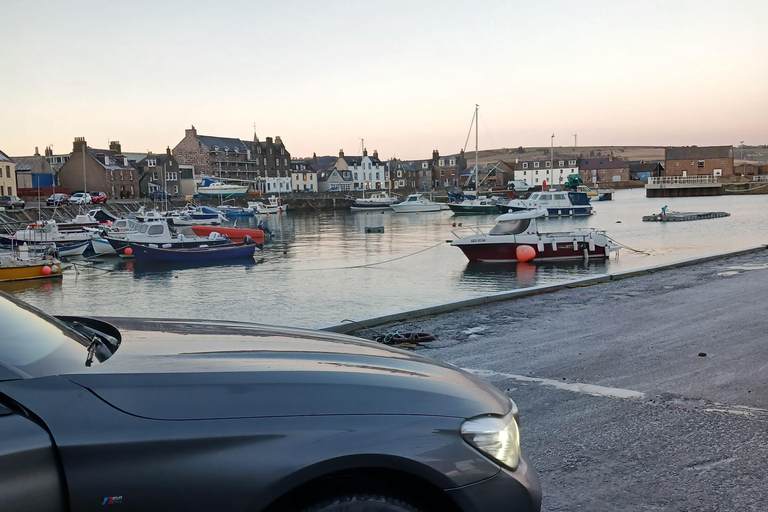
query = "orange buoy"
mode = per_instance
[
  {"x": 46, "y": 270},
  {"x": 128, "y": 251},
  {"x": 525, "y": 253}
]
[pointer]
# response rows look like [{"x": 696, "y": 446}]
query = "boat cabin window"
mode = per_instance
[
  {"x": 155, "y": 230},
  {"x": 545, "y": 197},
  {"x": 143, "y": 228},
  {"x": 510, "y": 227},
  {"x": 535, "y": 196},
  {"x": 559, "y": 197}
]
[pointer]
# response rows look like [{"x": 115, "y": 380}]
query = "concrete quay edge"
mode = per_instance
[{"x": 445, "y": 307}]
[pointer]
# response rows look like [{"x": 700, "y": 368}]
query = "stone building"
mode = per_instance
[
  {"x": 100, "y": 170},
  {"x": 227, "y": 158},
  {"x": 161, "y": 171},
  {"x": 603, "y": 170},
  {"x": 7, "y": 176},
  {"x": 716, "y": 161},
  {"x": 368, "y": 172},
  {"x": 446, "y": 169}
]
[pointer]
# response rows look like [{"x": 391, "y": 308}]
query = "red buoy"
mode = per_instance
[
  {"x": 46, "y": 270},
  {"x": 128, "y": 251},
  {"x": 525, "y": 253}
]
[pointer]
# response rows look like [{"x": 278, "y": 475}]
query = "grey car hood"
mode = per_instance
[{"x": 205, "y": 370}]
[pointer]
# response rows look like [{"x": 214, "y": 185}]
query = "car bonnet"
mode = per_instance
[{"x": 206, "y": 370}]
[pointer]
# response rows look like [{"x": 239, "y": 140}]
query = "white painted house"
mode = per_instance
[{"x": 555, "y": 172}]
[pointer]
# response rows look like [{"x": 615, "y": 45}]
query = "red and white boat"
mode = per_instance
[
  {"x": 235, "y": 234},
  {"x": 516, "y": 237}
]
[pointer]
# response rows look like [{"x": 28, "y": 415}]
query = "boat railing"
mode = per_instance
[
  {"x": 464, "y": 231},
  {"x": 675, "y": 180}
]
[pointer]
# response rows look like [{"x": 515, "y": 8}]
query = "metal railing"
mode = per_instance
[
  {"x": 760, "y": 178},
  {"x": 681, "y": 180}
]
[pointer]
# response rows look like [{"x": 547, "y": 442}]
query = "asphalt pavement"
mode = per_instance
[{"x": 640, "y": 394}]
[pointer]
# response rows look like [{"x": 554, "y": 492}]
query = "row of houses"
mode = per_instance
[{"x": 266, "y": 166}]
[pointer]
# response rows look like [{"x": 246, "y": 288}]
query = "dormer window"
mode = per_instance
[
  {"x": 151, "y": 162},
  {"x": 561, "y": 163},
  {"x": 549, "y": 164},
  {"x": 453, "y": 161},
  {"x": 525, "y": 165},
  {"x": 571, "y": 162},
  {"x": 536, "y": 165},
  {"x": 425, "y": 165},
  {"x": 442, "y": 162}
]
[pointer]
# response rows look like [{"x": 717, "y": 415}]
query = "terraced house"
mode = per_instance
[
  {"x": 552, "y": 171},
  {"x": 7, "y": 175},
  {"x": 257, "y": 163},
  {"x": 367, "y": 172},
  {"x": 102, "y": 170}
]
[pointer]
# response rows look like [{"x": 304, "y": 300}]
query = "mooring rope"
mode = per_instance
[{"x": 627, "y": 247}]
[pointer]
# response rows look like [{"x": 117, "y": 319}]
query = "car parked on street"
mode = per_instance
[
  {"x": 57, "y": 199},
  {"x": 98, "y": 197},
  {"x": 80, "y": 198},
  {"x": 158, "y": 415},
  {"x": 12, "y": 202}
]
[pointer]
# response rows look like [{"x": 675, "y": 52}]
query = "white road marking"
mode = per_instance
[{"x": 589, "y": 389}]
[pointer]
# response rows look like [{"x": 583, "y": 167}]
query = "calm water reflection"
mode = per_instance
[{"x": 322, "y": 267}]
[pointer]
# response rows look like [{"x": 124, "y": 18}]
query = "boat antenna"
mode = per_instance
[{"x": 477, "y": 138}]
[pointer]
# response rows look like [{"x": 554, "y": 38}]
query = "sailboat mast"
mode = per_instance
[{"x": 477, "y": 185}]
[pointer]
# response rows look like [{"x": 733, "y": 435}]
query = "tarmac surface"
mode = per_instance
[{"x": 639, "y": 394}]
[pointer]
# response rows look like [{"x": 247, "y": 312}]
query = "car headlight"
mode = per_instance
[{"x": 497, "y": 437}]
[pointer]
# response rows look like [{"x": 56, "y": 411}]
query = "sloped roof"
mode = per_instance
[
  {"x": 600, "y": 162},
  {"x": 31, "y": 164},
  {"x": 224, "y": 143},
  {"x": 114, "y": 163},
  {"x": 698, "y": 153},
  {"x": 4, "y": 157},
  {"x": 160, "y": 159}
]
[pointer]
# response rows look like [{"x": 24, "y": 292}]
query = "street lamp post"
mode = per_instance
[{"x": 552, "y": 157}]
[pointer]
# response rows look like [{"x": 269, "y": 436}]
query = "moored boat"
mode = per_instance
[
  {"x": 13, "y": 268},
  {"x": 416, "y": 203},
  {"x": 376, "y": 201},
  {"x": 273, "y": 205},
  {"x": 156, "y": 254},
  {"x": 235, "y": 234},
  {"x": 555, "y": 203},
  {"x": 516, "y": 237},
  {"x": 159, "y": 233},
  {"x": 209, "y": 187}
]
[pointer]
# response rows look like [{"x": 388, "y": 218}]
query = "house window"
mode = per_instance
[
  {"x": 536, "y": 164},
  {"x": 453, "y": 161},
  {"x": 399, "y": 174},
  {"x": 571, "y": 162},
  {"x": 549, "y": 164},
  {"x": 424, "y": 165},
  {"x": 442, "y": 162},
  {"x": 525, "y": 165},
  {"x": 561, "y": 163},
  {"x": 175, "y": 189},
  {"x": 677, "y": 164},
  {"x": 200, "y": 151},
  {"x": 693, "y": 163},
  {"x": 355, "y": 176},
  {"x": 700, "y": 163},
  {"x": 151, "y": 162},
  {"x": 442, "y": 173},
  {"x": 537, "y": 173},
  {"x": 285, "y": 162}
]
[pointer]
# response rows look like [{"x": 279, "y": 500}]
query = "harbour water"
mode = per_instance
[{"x": 322, "y": 267}]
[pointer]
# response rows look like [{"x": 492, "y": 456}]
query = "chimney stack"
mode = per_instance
[
  {"x": 365, "y": 152},
  {"x": 435, "y": 155},
  {"x": 79, "y": 146},
  {"x": 191, "y": 132},
  {"x": 115, "y": 146},
  {"x": 48, "y": 151},
  {"x": 341, "y": 153},
  {"x": 168, "y": 150},
  {"x": 37, "y": 151},
  {"x": 375, "y": 154}
]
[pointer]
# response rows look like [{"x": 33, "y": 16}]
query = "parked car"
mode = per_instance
[
  {"x": 520, "y": 185},
  {"x": 308, "y": 191},
  {"x": 158, "y": 195},
  {"x": 80, "y": 198},
  {"x": 57, "y": 199},
  {"x": 98, "y": 197},
  {"x": 194, "y": 415},
  {"x": 11, "y": 202}
]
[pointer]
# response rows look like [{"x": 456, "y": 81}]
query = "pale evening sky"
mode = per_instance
[{"x": 403, "y": 75}]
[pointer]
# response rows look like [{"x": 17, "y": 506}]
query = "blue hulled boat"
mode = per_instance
[{"x": 212, "y": 254}]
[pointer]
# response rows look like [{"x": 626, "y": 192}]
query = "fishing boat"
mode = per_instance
[
  {"x": 156, "y": 254},
  {"x": 555, "y": 203},
  {"x": 275, "y": 205},
  {"x": 209, "y": 187},
  {"x": 159, "y": 233},
  {"x": 236, "y": 211},
  {"x": 191, "y": 215},
  {"x": 48, "y": 231},
  {"x": 516, "y": 237},
  {"x": 375, "y": 201},
  {"x": 144, "y": 215},
  {"x": 475, "y": 205},
  {"x": 14, "y": 268},
  {"x": 235, "y": 234},
  {"x": 415, "y": 203}
]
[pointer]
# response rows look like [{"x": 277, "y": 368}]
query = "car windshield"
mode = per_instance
[{"x": 36, "y": 343}]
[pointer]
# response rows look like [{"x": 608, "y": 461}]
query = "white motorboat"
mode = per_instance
[
  {"x": 377, "y": 200},
  {"x": 209, "y": 187},
  {"x": 516, "y": 237},
  {"x": 48, "y": 231},
  {"x": 415, "y": 203},
  {"x": 556, "y": 203},
  {"x": 275, "y": 205}
]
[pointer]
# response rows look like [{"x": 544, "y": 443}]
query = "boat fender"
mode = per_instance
[
  {"x": 214, "y": 235},
  {"x": 591, "y": 245},
  {"x": 575, "y": 245},
  {"x": 554, "y": 246},
  {"x": 182, "y": 237},
  {"x": 167, "y": 246},
  {"x": 540, "y": 245}
]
